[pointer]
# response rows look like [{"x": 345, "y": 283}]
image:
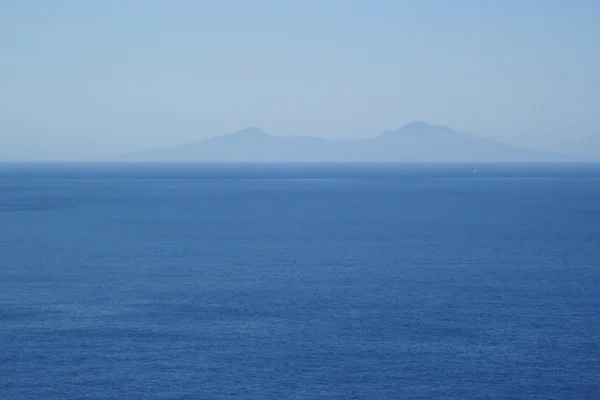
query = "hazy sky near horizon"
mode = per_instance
[{"x": 91, "y": 79}]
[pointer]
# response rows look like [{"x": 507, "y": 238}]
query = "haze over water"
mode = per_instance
[
  {"x": 88, "y": 81},
  {"x": 439, "y": 275},
  {"x": 299, "y": 281}
]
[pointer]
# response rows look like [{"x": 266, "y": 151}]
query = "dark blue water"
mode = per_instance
[{"x": 301, "y": 282}]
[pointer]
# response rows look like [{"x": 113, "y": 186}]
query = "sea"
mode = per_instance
[{"x": 299, "y": 281}]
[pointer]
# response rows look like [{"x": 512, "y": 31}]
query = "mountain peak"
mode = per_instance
[
  {"x": 419, "y": 128},
  {"x": 251, "y": 132},
  {"x": 417, "y": 125}
]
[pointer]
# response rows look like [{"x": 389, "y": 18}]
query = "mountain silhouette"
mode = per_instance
[{"x": 413, "y": 142}]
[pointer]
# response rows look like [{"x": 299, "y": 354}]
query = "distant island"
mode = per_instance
[{"x": 413, "y": 142}]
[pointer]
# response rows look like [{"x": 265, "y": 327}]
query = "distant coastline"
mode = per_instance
[{"x": 413, "y": 142}]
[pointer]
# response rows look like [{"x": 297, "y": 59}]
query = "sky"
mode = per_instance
[{"x": 87, "y": 80}]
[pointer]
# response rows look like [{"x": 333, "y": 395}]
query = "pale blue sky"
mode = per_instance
[{"x": 89, "y": 79}]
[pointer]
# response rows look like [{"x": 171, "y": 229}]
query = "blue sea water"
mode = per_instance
[{"x": 299, "y": 281}]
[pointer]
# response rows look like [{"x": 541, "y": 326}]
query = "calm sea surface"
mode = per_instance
[{"x": 299, "y": 282}]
